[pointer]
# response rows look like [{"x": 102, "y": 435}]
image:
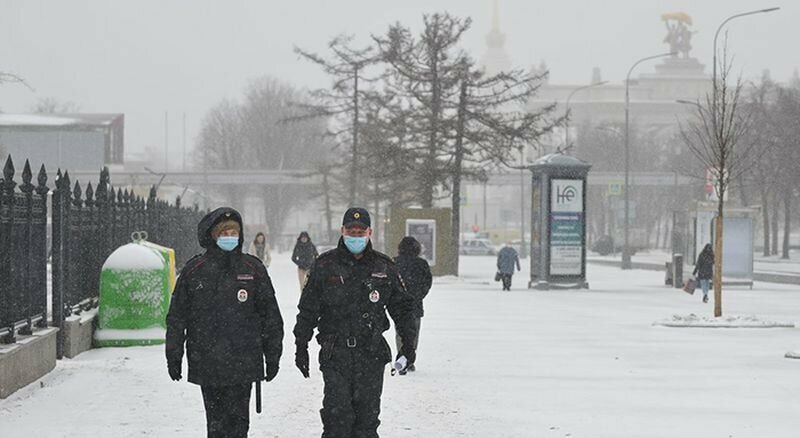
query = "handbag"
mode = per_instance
[
  {"x": 690, "y": 286},
  {"x": 498, "y": 276}
]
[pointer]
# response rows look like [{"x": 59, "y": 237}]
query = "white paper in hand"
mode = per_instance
[{"x": 401, "y": 363}]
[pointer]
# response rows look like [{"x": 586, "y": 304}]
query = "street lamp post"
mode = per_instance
[
  {"x": 626, "y": 253},
  {"x": 716, "y": 34},
  {"x": 566, "y": 108}
]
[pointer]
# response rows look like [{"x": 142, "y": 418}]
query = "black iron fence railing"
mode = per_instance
[
  {"x": 86, "y": 226},
  {"x": 23, "y": 252}
]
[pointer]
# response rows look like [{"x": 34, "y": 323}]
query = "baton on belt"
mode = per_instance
[{"x": 258, "y": 396}]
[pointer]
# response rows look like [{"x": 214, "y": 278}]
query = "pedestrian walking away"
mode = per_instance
[
  {"x": 303, "y": 256},
  {"x": 348, "y": 292},
  {"x": 259, "y": 247},
  {"x": 507, "y": 258},
  {"x": 223, "y": 310},
  {"x": 416, "y": 274},
  {"x": 704, "y": 269}
]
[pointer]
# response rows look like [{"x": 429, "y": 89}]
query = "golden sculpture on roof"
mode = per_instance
[{"x": 679, "y": 36}]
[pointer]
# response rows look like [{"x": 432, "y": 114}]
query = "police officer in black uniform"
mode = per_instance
[
  {"x": 224, "y": 310},
  {"x": 346, "y": 297}
]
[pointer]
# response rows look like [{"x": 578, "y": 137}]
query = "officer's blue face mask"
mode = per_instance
[
  {"x": 355, "y": 245},
  {"x": 227, "y": 243}
]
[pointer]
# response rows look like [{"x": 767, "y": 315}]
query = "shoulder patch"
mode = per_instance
[
  {"x": 192, "y": 264},
  {"x": 384, "y": 257},
  {"x": 254, "y": 263},
  {"x": 327, "y": 253}
]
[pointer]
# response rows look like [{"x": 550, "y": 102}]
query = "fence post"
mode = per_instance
[
  {"x": 40, "y": 220},
  {"x": 91, "y": 249},
  {"x": 6, "y": 249},
  {"x": 75, "y": 255},
  {"x": 26, "y": 280},
  {"x": 57, "y": 249}
]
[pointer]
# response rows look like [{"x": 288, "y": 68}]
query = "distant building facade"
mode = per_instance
[{"x": 77, "y": 142}]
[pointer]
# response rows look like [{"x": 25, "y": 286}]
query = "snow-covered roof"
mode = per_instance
[{"x": 48, "y": 120}]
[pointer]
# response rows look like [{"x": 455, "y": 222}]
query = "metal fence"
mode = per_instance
[
  {"x": 23, "y": 252},
  {"x": 87, "y": 225}
]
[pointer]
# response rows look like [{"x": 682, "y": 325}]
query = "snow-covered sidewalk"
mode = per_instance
[{"x": 491, "y": 364}]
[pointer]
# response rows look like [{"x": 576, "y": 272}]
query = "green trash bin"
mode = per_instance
[{"x": 135, "y": 288}]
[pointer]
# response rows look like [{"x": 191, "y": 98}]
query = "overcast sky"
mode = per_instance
[{"x": 145, "y": 57}]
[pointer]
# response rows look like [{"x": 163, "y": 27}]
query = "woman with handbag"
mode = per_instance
[{"x": 704, "y": 269}]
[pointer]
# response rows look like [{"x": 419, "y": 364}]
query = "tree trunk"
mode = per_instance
[
  {"x": 376, "y": 221},
  {"x": 658, "y": 232},
  {"x": 765, "y": 220},
  {"x": 776, "y": 208},
  {"x": 354, "y": 159},
  {"x": 436, "y": 105},
  {"x": 718, "y": 262},
  {"x": 326, "y": 190},
  {"x": 458, "y": 159},
  {"x": 787, "y": 222}
]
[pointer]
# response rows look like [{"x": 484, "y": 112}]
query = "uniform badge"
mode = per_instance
[
  {"x": 374, "y": 296},
  {"x": 244, "y": 277},
  {"x": 242, "y": 295},
  {"x": 379, "y": 274}
]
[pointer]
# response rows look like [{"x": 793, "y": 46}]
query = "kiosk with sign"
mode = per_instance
[{"x": 558, "y": 222}]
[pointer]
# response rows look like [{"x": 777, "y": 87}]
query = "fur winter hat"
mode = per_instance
[{"x": 225, "y": 225}]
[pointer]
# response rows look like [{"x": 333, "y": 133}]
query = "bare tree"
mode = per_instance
[
  {"x": 492, "y": 126},
  {"x": 343, "y": 100},
  {"x": 52, "y": 105},
  {"x": 715, "y": 140},
  {"x": 256, "y": 135},
  {"x": 426, "y": 71},
  {"x": 786, "y": 114}
]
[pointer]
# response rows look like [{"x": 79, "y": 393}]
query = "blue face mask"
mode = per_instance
[
  {"x": 228, "y": 243},
  {"x": 355, "y": 245}
]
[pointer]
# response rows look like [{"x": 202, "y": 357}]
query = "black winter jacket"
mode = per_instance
[
  {"x": 346, "y": 299},
  {"x": 224, "y": 310},
  {"x": 304, "y": 254},
  {"x": 704, "y": 268},
  {"x": 417, "y": 276}
]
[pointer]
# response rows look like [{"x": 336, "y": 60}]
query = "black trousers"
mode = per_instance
[
  {"x": 399, "y": 341},
  {"x": 227, "y": 410},
  {"x": 506, "y": 281},
  {"x": 352, "y": 397}
]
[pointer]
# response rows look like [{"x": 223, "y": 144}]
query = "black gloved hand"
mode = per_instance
[
  {"x": 272, "y": 371},
  {"x": 174, "y": 369},
  {"x": 301, "y": 359}
]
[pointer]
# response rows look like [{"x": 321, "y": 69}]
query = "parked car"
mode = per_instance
[{"x": 477, "y": 247}]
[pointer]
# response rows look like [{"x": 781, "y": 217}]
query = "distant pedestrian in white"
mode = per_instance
[{"x": 260, "y": 248}]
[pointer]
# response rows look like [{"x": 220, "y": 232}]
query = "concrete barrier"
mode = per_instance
[
  {"x": 24, "y": 362},
  {"x": 78, "y": 333}
]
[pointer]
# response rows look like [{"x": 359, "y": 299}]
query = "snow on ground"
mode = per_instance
[
  {"x": 695, "y": 321},
  {"x": 770, "y": 264},
  {"x": 491, "y": 364}
]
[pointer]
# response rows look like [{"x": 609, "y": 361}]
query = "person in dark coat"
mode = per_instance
[
  {"x": 704, "y": 269},
  {"x": 416, "y": 273},
  {"x": 303, "y": 256},
  {"x": 223, "y": 310},
  {"x": 507, "y": 258},
  {"x": 348, "y": 292}
]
